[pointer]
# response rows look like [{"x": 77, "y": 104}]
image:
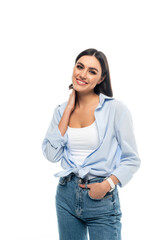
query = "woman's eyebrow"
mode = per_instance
[{"x": 90, "y": 67}]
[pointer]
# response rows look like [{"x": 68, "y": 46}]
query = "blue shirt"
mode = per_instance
[{"x": 117, "y": 152}]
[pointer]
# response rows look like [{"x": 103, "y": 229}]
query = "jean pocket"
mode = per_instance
[{"x": 108, "y": 195}]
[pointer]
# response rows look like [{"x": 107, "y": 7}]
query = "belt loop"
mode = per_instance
[
  {"x": 86, "y": 182},
  {"x": 69, "y": 177}
]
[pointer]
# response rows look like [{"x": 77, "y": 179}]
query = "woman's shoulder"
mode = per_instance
[
  {"x": 61, "y": 107},
  {"x": 117, "y": 105},
  {"x": 121, "y": 108}
]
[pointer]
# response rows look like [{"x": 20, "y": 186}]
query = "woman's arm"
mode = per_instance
[
  {"x": 124, "y": 131},
  {"x": 107, "y": 185},
  {"x": 56, "y": 137},
  {"x": 53, "y": 143},
  {"x": 63, "y": 124}
]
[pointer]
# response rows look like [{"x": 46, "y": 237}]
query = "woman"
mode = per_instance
[{"x": 92, "y": 134}]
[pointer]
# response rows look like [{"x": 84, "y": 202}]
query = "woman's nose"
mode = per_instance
[{"x": 83, "y": 74}]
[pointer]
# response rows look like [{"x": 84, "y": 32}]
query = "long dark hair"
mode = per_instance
[{"x": 105, "y": 86}]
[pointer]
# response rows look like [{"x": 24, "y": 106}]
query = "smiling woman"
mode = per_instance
[
  {"x": 92, "y": 134},
  {"x": 84, "y": 74},
  {"x": 94, "y": 66}
]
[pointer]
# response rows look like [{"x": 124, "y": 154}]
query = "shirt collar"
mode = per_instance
[{"x": 103, "y": 97}]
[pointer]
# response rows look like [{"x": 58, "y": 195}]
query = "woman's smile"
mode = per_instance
[{"x": 81, "y": 82}]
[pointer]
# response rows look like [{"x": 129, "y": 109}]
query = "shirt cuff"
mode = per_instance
[
  {"x": 56, "y": 139},
  {"x": 123, "y": 176}
]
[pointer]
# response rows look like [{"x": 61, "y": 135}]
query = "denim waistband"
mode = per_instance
[{"x": 77, "y": 179}]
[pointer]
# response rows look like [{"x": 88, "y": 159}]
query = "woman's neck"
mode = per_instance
[{"x": 86, "y": 100}]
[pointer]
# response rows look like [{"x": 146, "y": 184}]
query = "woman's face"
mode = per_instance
[{"x": 86, "y": 74}]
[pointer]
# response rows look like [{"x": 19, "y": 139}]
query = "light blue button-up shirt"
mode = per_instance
[{"x": 117, "y": 152}]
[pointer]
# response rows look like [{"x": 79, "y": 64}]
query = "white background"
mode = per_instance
[{"x": 38, "y": 45}]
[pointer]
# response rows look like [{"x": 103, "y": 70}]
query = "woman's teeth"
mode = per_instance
[{"x": 80, "y": 82}]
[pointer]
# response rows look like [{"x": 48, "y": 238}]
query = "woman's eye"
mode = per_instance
[
  {"x": 92, "y": 72},
  {"x": 79, "y": 67}
]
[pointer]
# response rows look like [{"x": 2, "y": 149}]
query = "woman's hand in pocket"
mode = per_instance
[{"x": 97, "y": 190}]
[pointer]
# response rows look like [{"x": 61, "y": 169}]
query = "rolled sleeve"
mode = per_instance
[
  {"x": 130, "y": 161},
  {"x": 54, "y": 136},
  {"x": 54, "y": 142}
]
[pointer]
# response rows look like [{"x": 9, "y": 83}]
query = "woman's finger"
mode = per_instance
[{"x": 85, "y": 185}]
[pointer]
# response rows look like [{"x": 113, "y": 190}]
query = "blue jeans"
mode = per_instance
[{"x": 79, "y": 214}]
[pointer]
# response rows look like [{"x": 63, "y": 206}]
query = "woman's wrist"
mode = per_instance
[
  {"x": 107, "y": 184},
  {"x": 68, "y": 109},
  {"x": 114, "y": 179}
]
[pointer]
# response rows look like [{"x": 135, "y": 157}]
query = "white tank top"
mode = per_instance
[{"x": 81, "y": 142}]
